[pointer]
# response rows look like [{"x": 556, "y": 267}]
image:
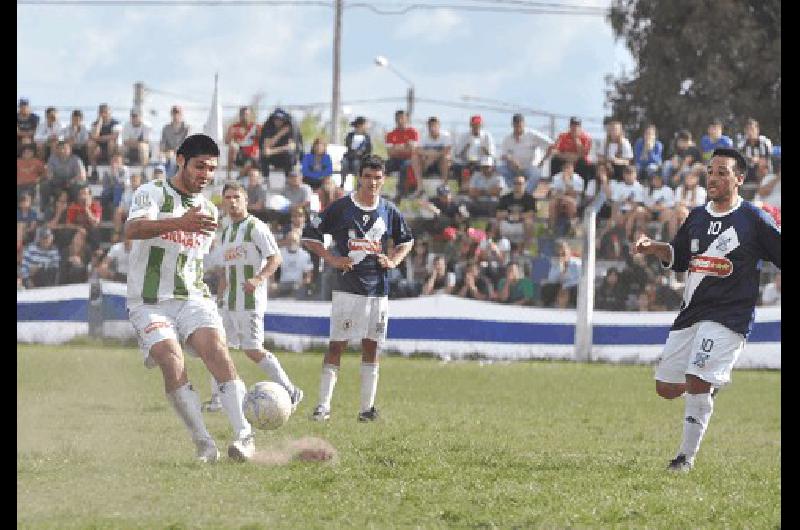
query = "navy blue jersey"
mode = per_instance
[
  {"x": 723, "y": 254},
  {"x": 360, "y": 233}
]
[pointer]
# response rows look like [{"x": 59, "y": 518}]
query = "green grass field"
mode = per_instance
[{"x": 533, "y": 444}]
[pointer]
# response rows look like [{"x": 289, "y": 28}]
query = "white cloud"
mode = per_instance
[{"x": 432, "y": 27}]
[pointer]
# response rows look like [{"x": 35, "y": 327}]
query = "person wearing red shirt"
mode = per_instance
[
  {"x": 242, "y": 141},
  {"x": 85, "y": 214},
  {"x": 30, "y": 170},
  {"x": 401, "y": 144},
  {"x": 573, "y": 145}
]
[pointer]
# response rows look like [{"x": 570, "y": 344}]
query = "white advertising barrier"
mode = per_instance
[{"x": 447, "y": 326}]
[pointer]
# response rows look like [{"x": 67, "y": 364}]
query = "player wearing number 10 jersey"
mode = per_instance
[{"x": 721, "y": 247}]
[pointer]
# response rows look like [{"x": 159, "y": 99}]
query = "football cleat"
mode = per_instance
[
  {"x": 213, "y": 405},
  {"x": 297, "y": 396},
  {"x": 207, "y": 451},
  {"x": 679, "y": 464},
  {"x": 368, "y": 415},
  {"x": 243, "y": 449},
  {"x": 715, "y": 390},
  {"x": 321, "y": 414}
]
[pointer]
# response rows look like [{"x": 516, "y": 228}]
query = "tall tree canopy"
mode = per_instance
[{"x": 697, "y": 60}]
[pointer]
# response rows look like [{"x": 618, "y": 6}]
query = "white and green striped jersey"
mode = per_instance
[
  {"x": 242, "y": 249},
  {"x": 169, "y": 266}
]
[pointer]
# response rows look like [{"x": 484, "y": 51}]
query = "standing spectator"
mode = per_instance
[
  {"x": 401, "y": 143},
  {"x": 65, "y": 171},
  {"x": 434, "y": 153},
  {"x": 648, "y": 153},
  {"x": 103, "y": 137},
  {"x": 27, "y": 123},
  {"x": 115, "y": 180},
  {"x": 297, "y": 270},
  {"x": 612, "y": 294},
  {"x": 30, "y": 170},
  {"x": 755, "y": 147},
  {"x": 474, "y": 284},
  {"x": 243, "y": 139},
  {"x": 317, "y": 164},
  {"x": 85, "y": 213},
  {"x": 40, "y": 261},
  {"x": 565, "y": 196},
  {"x": 136, "y": 140},
  {"x": 277, "y": 142},
  {"x": 515, "y": 288},
  {"x": 472, "y": 147},
  {"x": 114, "y": 265},
  {"x": 772, "y": 292},
  {"x": 714, "y": 139},
  {"x": 769, "y": 185},
  {"x": 439, "y": 281},
  {"x": 521, "y": 152},
  {"x": 77, "y": 136},
  {"x": 297, "y": 192},
  {"x": 485, "y": 188},
  {"x": 616, "y": 149},
  {"x": 562, "y": 281},
  {"x": 358, "y": 144},
  {"x": 48, "y": 134},
  {"x": 684, "y": 154},
  {"x": 173, "y": 134},
  {"x": 574, "y": 146},
  {"x": 628, "y": 199},
  {"x": 516, "y": 211}
]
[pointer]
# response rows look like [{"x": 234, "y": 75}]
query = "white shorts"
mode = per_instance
[
  {"x": 172, "y": 319},
  {"x": 707, "y": 350},
  {"x": 356, "y": 317},
  {"x": 245, "y": 329}
]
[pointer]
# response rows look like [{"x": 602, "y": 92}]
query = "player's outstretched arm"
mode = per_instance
[
  {"x": 647, "y": 246},
  {"x": 194, "y": 220}
]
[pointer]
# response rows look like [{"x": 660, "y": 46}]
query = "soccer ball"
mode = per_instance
[{"x": 267, "y": 405}]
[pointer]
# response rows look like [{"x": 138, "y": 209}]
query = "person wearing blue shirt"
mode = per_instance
[
  {"x": 648, "y": 154},
  {"x": 721, "y": 246},
  {"x": 317, "y": 164},
  {"x": 714, "y": 140},
  {"x": 360, "y": 225}
]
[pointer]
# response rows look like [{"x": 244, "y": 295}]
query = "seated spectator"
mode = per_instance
[
  {"x": 600, "y": 189},
  {"x": 256, "y": 194},
  {"x": 660, "y": 200},
  {"x": 493, "y": 253},
  {"x": 359, "y": 145},
  {"x": 521, "y": 152},
  {"x": 27, "y": 219},
  {"x": 328, "y": 192},
  {"x": 75, "y": 265},
  {"x": 103, "y": 137},
  {"x": 485, "y": 188},
  {"x": 136, "y": 140},
  {"x": 772, "y": 292},
  {"x": 754, "y": 147},
  {"x": 612, "y": 240},
  {"x": 27, "y": 123},
  {"x": 317, "y": 164},
  {"x": 40, "y": 261},
  {"x": 297, "y": 220},
  {"x": 30, "y": 170},
  {"x": 516, "y": 212},
  {"x": 174, "y": 133},
  {"x": 713, "y": 140},
  {"x": 446, "y": 211},
  {"x": 616, "y": 150},
  {"x": 77, "y": 136},
  {"x": 278, "y": 143},
  {"x": 566, "y": 194},
  {"x": 297, "y": 192},
  {"x": 627, "y": 200},
  {"x": 515, "y": 288},
  {"x": 439, "y": 280},
  {"x": 562, "y": 280},
  {"x": 612, "y": 294},
  {"x": 648, "y": 154},
  {"x": 574, "y": 146},
  {"x": 691, "y": 193},
  {"x": 65, "y": 171},
  {"x": 55, "y": 217},
  {"x": 243, "y": 139},
  {"x": 85, "y": 213},
  {"x": 474, "y": 284},
  {"x": 679, "y": 215},
  {"x": 49, "y": 132},
  {"x": 636, "y": 274},
  {"x": 115, "y": 180},
  {"x": 434, "y": 153},
  {"x": 296, "y": 271},
  {"x": 473, "y": 146},
  {"x": 769, "y": 190},
  {"x": 114, "y": 265},
  {"x": 684, "y": 153},
  {"x": 401, "y": 143},
  {"x": 121, "y": 213}
]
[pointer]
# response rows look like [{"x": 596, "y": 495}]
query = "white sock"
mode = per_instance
[
  {"x": 698, "y": 412},
  {"x": 274, "y": 370},
  {"x": 369, "y": 385},
  {"x": 186, "y": 403},
  {"x": 214, "y": 388},
  {"x": 231, "y": 394},
  {"x": 326, "y": 384}
]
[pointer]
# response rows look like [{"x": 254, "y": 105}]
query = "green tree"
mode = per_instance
[{"x": 696, "y": 60}]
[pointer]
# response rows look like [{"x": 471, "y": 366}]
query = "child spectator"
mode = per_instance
[{"x": 714, "y": 139}]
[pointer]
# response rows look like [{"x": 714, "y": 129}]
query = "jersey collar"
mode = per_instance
[
  {"x": 713, "y": 213},
  {"x": 185, "y": 199},
  {"x": 362, "y": 206}
]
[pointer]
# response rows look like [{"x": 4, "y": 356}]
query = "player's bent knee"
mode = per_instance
[{"x": 670, "y": 390}]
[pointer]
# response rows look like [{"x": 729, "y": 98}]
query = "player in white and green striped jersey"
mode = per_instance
[
  {"x": 248, "y": 256},
  {"x": 171, "y": 226}
]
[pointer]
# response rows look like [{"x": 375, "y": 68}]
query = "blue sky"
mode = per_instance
[{"x": 83, "y": 55}]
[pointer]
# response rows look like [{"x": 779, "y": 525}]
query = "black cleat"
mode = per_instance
[
  {"x": 368, "y": 415},
  {"x": 715, "y": 391},
  {"x": 679, "y": 464}
]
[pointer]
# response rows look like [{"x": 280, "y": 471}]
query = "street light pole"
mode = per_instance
[
  {"x": 337, "y": 52},
  {"x": 382, "y": 61}
]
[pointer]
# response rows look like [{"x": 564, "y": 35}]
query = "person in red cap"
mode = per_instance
[{"x": 473, "y": 145}]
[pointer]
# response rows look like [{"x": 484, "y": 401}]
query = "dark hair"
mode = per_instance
[
  {"x": 371, "y": 162},
  {"x": 716, "y": 121},
  {"x": 49, "y": 110},
  {"x": 684, "y": 134},
  {"x": 197, "y": 145},
  {"x": 517, "y": 118},
  {"x": 741, "y": 163},
  {"x": 77, "y": 112},
  {"x": 399, "y": 113},
  {"x": 433, "y": 119},
  {"x": 233, "y": 186}
]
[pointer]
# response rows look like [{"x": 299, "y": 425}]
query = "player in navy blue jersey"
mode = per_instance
[
  {"x": 722, "y": 246},
  {"x": 361, "y": 225}
]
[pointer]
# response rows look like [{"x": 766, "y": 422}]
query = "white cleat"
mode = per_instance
[
  {"x": 213, "y": 405},
  {"x": 321, "y": 414},
  {"x": 207, "y": 451},
  {"x": 243, "y": 449}
]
